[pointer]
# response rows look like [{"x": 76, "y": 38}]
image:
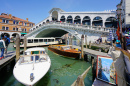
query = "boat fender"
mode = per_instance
[{"x": 31, "y": 77}]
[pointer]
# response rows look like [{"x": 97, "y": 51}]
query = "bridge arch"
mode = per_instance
[
  {"x": 47, "y": 20},
  {"x": 69, "y": 19},
  {"x": 86, "y": 20},
  {"x": 97, "y": 21},
  {"x": 77, "y": 20},
  {"x": 62, "y": 18},
  {"x": 111, "y": 22},
  {"x": 54, "y": 16}
]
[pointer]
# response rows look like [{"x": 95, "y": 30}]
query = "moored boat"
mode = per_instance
[
  {"x": 32, "y": 66},
  {"x": 65, "y": 50}
]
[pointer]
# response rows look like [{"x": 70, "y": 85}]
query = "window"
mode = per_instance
[
  {"x": 14, "y": 29},
  {"x": 128, "y": 14},
  {"x": 7, "y": 28},
  {"x": 49, "y": 40},
  {"x": 7, "y": 21},
  {"x": 40, "y": 40},
  {"x": 45, "y": 40},
  {"x": 3, "y": 28},
  {"x": 30, "y": 40},
  {"x": 30, "y": 25},
  {"x": 25, "y": 30},
  {"x": 35, "y": 40},
  {"x": 14, "y": 22},
  {"x": 22, "y": 29},
  {"x": 25, "y": 24},
  {"x": 3, "y": 20}
]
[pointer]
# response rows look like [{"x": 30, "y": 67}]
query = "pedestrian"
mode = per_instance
[
  {"x": 7, "y": 42},
  {"x": 2, "y": 46}
]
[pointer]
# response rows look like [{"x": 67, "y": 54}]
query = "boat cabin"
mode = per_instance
[{"x": 33, "y": 56}]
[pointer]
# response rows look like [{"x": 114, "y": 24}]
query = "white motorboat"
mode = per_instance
[{"x": 32, "y": 66}]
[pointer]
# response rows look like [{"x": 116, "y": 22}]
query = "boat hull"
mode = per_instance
[
  {"x": 22, "y": 72},
  {"x": 65, "y": 53}
]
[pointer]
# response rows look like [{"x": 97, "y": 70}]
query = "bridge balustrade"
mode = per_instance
[{"x": 78, "y": 25}]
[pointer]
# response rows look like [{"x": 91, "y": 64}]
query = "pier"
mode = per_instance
[
  {"x": 91, "y": 52},
  {"x": 8, "y": 58}
]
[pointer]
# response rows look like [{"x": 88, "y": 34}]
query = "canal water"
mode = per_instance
[{"x": 63, "y": 72}]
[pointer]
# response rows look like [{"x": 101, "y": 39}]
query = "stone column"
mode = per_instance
[
  {"x": 82, "y": 47},
  {"x": 86, "y": 40},
  {"x": 17, "y": 47},
  {"x": 25, "y": 43}
]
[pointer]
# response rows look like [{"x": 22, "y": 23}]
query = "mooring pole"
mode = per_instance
[
  {"x": 89, "y": 44},
  {"x": 82, "y": 47},
  {"x": 86, "y": 40},
  {"x": 66, "y": 40},
  {"x": 17, "y": 47},
  {"x": 25, "y": 43}
]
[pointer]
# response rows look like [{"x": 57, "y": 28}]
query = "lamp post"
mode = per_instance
[{"x": 122, "y": 38}]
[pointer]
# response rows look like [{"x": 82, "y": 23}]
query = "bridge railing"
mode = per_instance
[{"x": 97, "y": 28}]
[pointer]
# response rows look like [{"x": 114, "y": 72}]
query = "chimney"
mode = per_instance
[
  {"x": 27, "y": 19},
  {"x": 10, "y": 16}
]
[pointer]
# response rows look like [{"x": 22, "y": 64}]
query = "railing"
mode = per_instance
[{"x": 76, "y": 26}]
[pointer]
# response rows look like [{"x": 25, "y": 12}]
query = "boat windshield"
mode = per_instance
[
  {"x": 28, "y": 59},
  {"x": 66, "y": 48}
]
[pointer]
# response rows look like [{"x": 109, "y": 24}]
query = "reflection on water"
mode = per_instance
[{"x": 63, "y": 72}]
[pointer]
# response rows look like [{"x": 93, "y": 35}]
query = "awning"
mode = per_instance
[{"x": 23, "y": 33}]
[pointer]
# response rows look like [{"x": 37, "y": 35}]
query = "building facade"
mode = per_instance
[
  {"x": 125, "y": 13},
  {"x": 12, "y": 25}
]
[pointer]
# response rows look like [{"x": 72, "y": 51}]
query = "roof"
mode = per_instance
[
  {"x": 13, "y": 18},
  {"x": 35, "y": 49},
  {"x": 56, "y": 9}
]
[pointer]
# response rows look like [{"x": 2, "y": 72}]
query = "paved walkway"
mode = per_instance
[
  {"x": 100, "y": 83},
  {"x": 101, "y": 45},
  {"x": 91, "y": 52},
  {"x": 8, "y": 56}
]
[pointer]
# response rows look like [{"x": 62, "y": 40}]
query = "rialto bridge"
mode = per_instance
[{"x": 92, "y": 24}]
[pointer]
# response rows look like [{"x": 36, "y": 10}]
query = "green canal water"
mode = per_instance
[{"x": 63, "y": 72}]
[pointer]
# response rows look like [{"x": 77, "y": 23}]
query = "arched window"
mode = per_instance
[
  {"x": 111, "y": 22},
  {"x": 97, "y": 21},
  {"x": 86, "y": 20},
  {"x": 69, "y": 19},
  {"x": 77, "y": 20},
  {"x": 62, "y": 18},
  {"x": 39, "y": 24}
]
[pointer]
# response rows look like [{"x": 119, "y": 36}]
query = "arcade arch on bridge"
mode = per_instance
[
  {"x": 86, "y": 20},
  {"x": 111, "y": 22},
  {"x": 97, "y": 21},
  {"x": 14, "y": 35},
  {"x": 69, "y": 19},
  {"x": 62, "y": 18},
  {"x": 54, "y": 16},
  {"x": 77, "y": 20}
]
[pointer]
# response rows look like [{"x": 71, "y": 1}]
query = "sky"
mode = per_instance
[{"x": 37, "y": 10}]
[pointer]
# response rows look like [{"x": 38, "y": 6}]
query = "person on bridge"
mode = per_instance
[{"x": 7, "y": 42}]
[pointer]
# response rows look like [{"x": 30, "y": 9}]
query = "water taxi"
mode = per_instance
[
  {"x": 32, "y": 42},
  {"x": 32, "y": 66},
  {"x": 65, "y": 50}
]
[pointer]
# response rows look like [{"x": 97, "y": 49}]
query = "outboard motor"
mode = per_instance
[{"x": 31, "y": 77}]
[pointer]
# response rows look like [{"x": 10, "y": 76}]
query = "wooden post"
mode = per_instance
[
  {"x": 25, "y": 43},
  {"x": 82, "y": 47},
  {"x": 89, "y": 44},
  {"x": 71, "y": 39},
  {"x": 17, "y": 47},
  {"x": 86, "y": 40},
  {"x": 66, "y": 40}
]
